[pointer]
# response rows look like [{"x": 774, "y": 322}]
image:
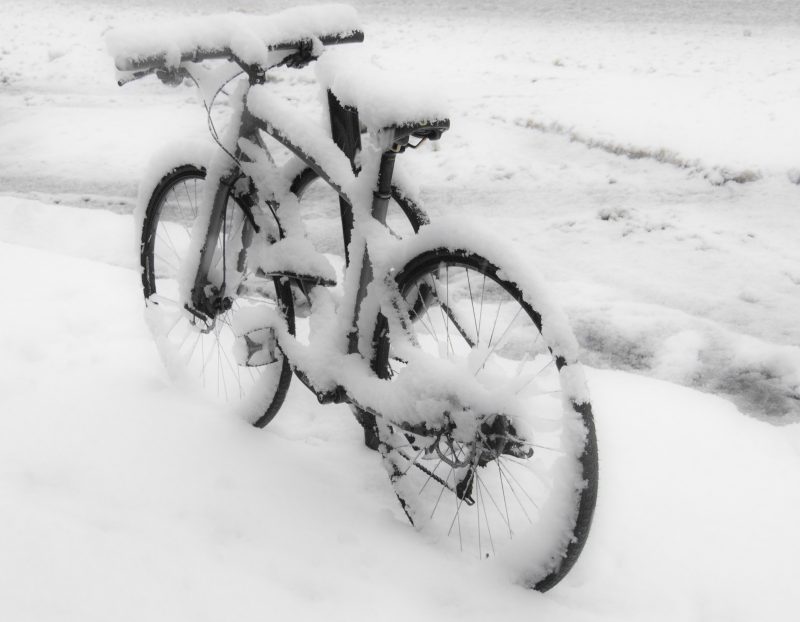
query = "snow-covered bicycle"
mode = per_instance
[{"x": 449, "y": 350}]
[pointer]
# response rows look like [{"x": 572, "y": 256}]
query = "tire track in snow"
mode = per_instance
[{"x": 714, "y": 174}]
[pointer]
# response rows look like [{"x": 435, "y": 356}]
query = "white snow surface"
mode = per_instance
[
  {"x": 603, "y": 142},
  {"x": 118, "y": 485}
]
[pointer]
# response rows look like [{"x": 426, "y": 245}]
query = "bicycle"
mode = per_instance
[{"x": 454, "y": 359}]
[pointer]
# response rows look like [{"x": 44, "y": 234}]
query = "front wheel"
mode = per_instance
[
  {"x": 517, "y": 481},
  {"x": 206, "y": 356}
]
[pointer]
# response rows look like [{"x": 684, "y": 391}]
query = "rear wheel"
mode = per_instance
[
  {"x": 240, "y": 368},
  {"x": 517, "y": 482}
]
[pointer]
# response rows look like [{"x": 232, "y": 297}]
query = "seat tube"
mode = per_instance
[
  {"x": 383, "y": 192},
  {"x": 346, "y": 133},
  {"x": 380, "y": 203}
]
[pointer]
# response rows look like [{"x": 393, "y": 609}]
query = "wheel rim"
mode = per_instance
[
  {"x": 504, "y": 505},
  {"x": 198, "y": 356}
]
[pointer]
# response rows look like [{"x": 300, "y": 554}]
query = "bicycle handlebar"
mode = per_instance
[{"x": 145, "y": 66}]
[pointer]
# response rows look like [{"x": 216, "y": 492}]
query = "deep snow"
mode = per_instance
[{"x": 124, "y": 498}]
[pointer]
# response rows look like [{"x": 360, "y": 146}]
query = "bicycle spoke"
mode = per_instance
[
  {"x": 472, "y": 304},
  {"x": 430, "y": 477},
  {"x": 170, "y": 265},
  {"x": 485, "y": 516},
  {"x": 414, "y": 461},
  {"x": 461, "y": 331},
  {"x": 528, "y": 468},
  {"x": 505, "y": 516},
  {"x": 494, "y": 325},
  {"x": 499, "y": 341},
  {"x": 480, "y": 313},
  {"x": 195, "y": 204},
  {"x": 536, "y": 375},
  {"x": 514, "y": 492},
  {"x": 428, "y": 327},
  {"x": 206, "y": 361},
  {"x": 203, "y": 358},
  {"x": 509, "y": 474},
  {"x": 457, "y": 516},
  {"x": 505, "y": 502},
  {"x": 220, "y": 380},
  {"x": 478, "y": 512},
  {"x": 441, "y": 492},
  {"x": 194, "y": 346},
  {"x": 430, "y": 322},
  {"x": 447, "y": 299},
  {"x": 167, "y": 239},
  {"x": 448, "y": 345},
  {"x": 182, "y": 219},
  {"x": 234, "y": 370}
]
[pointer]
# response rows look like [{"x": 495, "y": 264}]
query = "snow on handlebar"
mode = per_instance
[{"x": 245, "y": 39}]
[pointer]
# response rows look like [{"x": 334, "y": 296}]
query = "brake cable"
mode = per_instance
[{"x": 212, "y": 129}]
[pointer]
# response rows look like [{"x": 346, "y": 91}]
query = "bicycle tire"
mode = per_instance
[
  {"x": 257, "y": 393},
  {"x": 439, "y": 288}
]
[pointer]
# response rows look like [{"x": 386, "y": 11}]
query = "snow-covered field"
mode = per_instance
[{"x": 641, "y": 155}]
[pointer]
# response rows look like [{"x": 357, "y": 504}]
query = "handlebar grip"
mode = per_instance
[
  {"x": 124, "y": 78},
  {"x": 355, "y": 36},
  {"x": 159, "y": 61}
]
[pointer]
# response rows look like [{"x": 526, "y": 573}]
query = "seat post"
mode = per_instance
[{"x": 382, "y": 194}]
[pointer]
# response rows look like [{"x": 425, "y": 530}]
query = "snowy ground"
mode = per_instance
[{"x": 606, "y": 145}]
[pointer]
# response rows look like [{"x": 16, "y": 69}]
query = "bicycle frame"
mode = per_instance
[{"x": 345, "y": 131}]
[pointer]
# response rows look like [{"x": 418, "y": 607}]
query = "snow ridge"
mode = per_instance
[{"x": 715, "y": 174}]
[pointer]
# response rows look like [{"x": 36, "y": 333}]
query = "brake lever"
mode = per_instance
[
  {"x": 172, "y": 77},
  {"x": 308, "y": 50}
]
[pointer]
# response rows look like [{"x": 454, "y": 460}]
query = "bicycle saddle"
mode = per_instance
[{"x": 384, "y": 102}]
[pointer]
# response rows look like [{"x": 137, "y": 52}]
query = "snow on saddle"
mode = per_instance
[{"x": 383, "y": 100}]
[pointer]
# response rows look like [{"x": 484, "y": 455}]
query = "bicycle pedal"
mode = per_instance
[
  {"x": 336, "y": 396},
  {"x": 256, "y": 348}
]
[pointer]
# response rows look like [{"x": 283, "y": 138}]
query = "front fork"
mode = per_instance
[{"x": 207, "y": 300}]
